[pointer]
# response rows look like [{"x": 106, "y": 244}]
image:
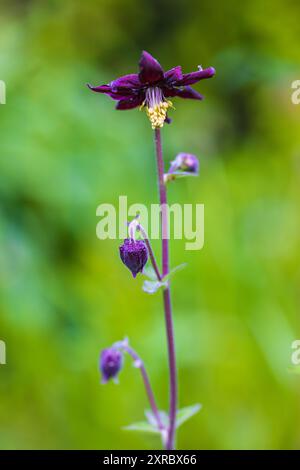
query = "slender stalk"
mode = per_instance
[
  {"x": 140, "y": 365},
  {"x": 170, "y": 443},
  {"x": 150, "y": 251}
]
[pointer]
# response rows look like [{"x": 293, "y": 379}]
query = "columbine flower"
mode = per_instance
[
  {"x": 152, "y": 87},
  {"x": 111, "y": 361},
  {"x": 134, "y": 255},
  {"x": 185, "y": 162}
]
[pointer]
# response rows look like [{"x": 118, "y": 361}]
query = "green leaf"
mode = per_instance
[
  {"x": 177, "y": 174},
  {"x": 142, "y": 426},
  {"x": 186, "y": 413},
  {"x": 174, "y": 271},
  {"x": 150, "y": 426},
  {"x": 152, "y": 419},
  {"x": 153, "y": 286}
]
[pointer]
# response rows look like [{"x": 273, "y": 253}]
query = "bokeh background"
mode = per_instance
[{"x": 65, "y": 294}]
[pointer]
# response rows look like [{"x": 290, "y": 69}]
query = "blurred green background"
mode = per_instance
[{"x": 65, "y": 294}]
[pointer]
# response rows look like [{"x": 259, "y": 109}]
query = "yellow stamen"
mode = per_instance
[
  {"x": 156, "y": 107},
  {"x": 157, "y": 115}
]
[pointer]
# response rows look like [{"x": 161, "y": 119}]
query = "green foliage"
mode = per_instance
[
  {"x": 150, "y": 426},
  {"x": 151, "y": 286},
  {"x": 142, "y": 426},
  {"x": 184, "y": 414}
]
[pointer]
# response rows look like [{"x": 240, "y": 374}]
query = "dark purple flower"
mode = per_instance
[
  {"x": 185, "y": 162},
  {"x": 134, "y": 255},
  {"x": 111, "y": 361},
  {"x": 152, "y": 87}
]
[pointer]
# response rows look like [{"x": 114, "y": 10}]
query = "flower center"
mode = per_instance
[{"x": 156, "y": 106}]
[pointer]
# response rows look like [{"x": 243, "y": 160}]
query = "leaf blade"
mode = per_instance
[
  {"x": 151, "y": 287},
  {"x": 186, "y": 413},
  {"x": 142, "y": 426}
]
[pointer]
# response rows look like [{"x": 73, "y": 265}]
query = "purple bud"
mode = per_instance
[
  {"x": 185, "y": 162},
  {"x": 134, "y": 255},
  {"x": 111, "y": 361}
]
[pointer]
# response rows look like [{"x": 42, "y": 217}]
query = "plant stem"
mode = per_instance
[
  {"x": 170, "y": 443},
  {"x": 140, "y": 365},
  {"x": 150, "y": 251}
]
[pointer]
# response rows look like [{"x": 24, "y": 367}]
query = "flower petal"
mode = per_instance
[
  {"x": 100, "y": 89},
  {"x": 115, "y": 95},
  {"x": 150, "y": 69},
  {"x": 173, "y": 75},
  {"x": 130, "y": 103},
  {"x": 190, "y": 93},
  {"x": 127, "y": 81},
  {"x": 194, "y": 77}
]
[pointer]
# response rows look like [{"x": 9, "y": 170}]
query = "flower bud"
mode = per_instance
[
  {"x": 134, "y": 255},
  {"x": 111, "y": 361},
  {"x": 185, "y": 162}
]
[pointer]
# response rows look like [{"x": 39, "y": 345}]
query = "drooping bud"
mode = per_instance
[
  {"x": 134, "y": 255},
  {"x": 185, "y": 162},
  {"x": 111, "y": 361}
]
